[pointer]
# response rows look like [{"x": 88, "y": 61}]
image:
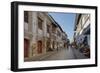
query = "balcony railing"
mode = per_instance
[{"x": 28, "y": 34}]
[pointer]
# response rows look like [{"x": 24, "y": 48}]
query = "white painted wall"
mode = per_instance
[{"x": 5, "y": 20}]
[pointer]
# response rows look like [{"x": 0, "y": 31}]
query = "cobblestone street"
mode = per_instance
[
  {"x": 66, "y": 54},
  {"x": 61, "y": 54}
]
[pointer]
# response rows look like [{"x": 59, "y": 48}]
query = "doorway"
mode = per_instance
[
  {"x": 39, "y": 45},
  {"x": 26, "y": 48}
]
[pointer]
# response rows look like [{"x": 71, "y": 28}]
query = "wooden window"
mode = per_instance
[
  {"x": 40, "y": 23},
  {"x": 48, "y": 29},
  {"x": 53, "y": 29},
  {"x": 26, "y": 16},
  {"x": 39, "y": 44},
  {"x": 59, "y": 34}
]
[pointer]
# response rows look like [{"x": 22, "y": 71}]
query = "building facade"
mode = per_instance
[
  {"x": 82, "y": 29},
  {"x": 42, "y": 34}
]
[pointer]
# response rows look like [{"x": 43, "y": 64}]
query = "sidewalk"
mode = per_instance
[
  {"x": 41, "y": 56},
  {"x": 78, "y": 54}
]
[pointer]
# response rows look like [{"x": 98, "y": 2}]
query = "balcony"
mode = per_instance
[
  {"x": 86, "y": 24},
  {"x": 54, "y": 34},
  {"x": 27, "y": 34},
  {"x": 40, "y": 33}
]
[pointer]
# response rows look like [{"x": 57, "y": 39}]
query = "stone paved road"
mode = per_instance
[
  {"x": 78, "y": 55},
  {"x": 66, "y": 54}
]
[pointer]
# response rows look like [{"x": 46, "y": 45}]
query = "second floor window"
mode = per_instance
[
  {"x": 40, "y": 23},
  {"x": 26, "y": 16},
  {"x": 48, "y": 28},
  {"x": 53, "y": 29},
  {"x": 59, "y": 34}
]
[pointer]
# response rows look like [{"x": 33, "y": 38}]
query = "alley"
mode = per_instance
[{"x": 66, "y": 54}]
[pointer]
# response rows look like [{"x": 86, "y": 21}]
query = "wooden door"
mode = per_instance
[
  {"x": 26, "y": 47},
  {"x": 39, "y": 46}
]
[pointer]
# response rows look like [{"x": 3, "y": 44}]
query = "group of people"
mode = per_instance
[{"x": 82, "y": 47}]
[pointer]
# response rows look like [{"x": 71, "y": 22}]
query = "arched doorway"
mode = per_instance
[{"x": 39, "y": 46}]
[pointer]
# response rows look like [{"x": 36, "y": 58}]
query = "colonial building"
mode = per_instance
[
  {"x": 42, "y": 34},
  {"x": 82, "y": 29}
]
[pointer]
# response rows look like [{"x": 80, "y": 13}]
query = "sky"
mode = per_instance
[{"x": 66, "y": 21}]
